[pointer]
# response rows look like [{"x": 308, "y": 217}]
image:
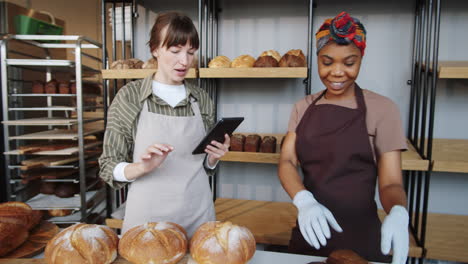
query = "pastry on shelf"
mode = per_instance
[
  {"x": 64, "y": 87},
  {"x": 83, "y": 243},
  {"x": 220, "y": 62},
  {"x": 48, "y": 187},
  {"x": 67, "y": 189},
  {"x": 237, "y": 142},
  {"x": 297, "y": 52},
  {"x": 252, "y": 143},
  {"x": 156, "y": 242},
  {"x": 268, "y": 144},
  {"x": 289, "y": 60},
  {"x": 222, "y": 242},
  {"x": 126, "y": 64},
  {"x": 266, "y": 61},
  {"x": 51, "y": 87},
  {"x": 150, "y": 64},
  {"x": 38, "y": 87},
  {"x": 59, "y": 212},
  {"x": 272, "y": 53},
  {"x": 243, "y": 61}
]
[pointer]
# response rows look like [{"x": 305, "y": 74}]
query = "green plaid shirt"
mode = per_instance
[{"x": 123, "y": 115}]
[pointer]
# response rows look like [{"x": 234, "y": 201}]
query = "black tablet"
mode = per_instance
[{"x": 226, "y": 125}]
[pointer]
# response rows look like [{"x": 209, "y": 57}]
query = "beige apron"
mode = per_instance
[{"x": 178, "y": 191}]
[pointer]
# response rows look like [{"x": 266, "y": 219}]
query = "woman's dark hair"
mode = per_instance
[{"x": 180, "y": 31}]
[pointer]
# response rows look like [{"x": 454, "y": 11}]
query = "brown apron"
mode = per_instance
[{"x": 335, "y": 154}]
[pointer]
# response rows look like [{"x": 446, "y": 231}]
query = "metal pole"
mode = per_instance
[
  {"x": 418, "y": 86},
  {"x": 79, "y": 112},
  {"x": 4, "y": 79},
  {"x": 414, "y": 72},
  {"x": 310, "y": 24}
]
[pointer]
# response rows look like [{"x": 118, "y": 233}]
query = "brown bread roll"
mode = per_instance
[
  {"x": 252, "y": 143},
  {"x": 51, "y": 87},
  {"x": 48, "y": 187},
  {"x": 220, "y": 62},
  {"x": 237, "y": 142},
  {"x": 59, "y": 212},
  {"x": 67, "y": 189},
  {"x": 83, "y": 243},
  {"x": 266, "y": 61},
  {"x": 11, "y": 237},
  {"x": 38, "y": 87},
  {"x": 272, "y": 53},
  {"x": 243, "y": 61},
  {"x": 268, "y": 144},
  {"x": 297, "y": 52},
  {"x": 150, "y": 64},
  {"x": 222, "y": 242},
  {"x": 119, "y": 65},
  {"x": 64, "y": 87},
  {"x": 134, "y": 63},
  {"x": 345, "y": 256},
  {"x": 158, "y": 242},
  {"x": 291, "y": 61}
]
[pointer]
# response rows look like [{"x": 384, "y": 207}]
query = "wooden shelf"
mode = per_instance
[
  {"x": 42, "y": 121},
  {"x": 410, "y": 159},
  {"x": 450, "y": 155},
  {"x": 60, "y": 134},
  {"x": 60, "y": 152},
  {"x": 453, "y": 69},
  {"x": 137, "y": 73},
  {"x": 277, "y": 72}
]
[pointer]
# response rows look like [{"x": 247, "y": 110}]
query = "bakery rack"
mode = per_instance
[{"x": 32, "y": 117}]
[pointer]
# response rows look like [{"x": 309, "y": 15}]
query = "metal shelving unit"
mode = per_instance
[{"x": 18, "y": 126}]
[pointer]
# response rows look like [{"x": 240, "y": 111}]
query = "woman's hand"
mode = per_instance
[
  {"x": 216, "y": 150},
  {"x": 151, "y": 159}
]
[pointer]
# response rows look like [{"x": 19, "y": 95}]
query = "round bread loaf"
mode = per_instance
[
  {"x": 150, "y": 64},
  {"x": 289, "y": 60},
  {"x": 134, "y": 63},
  {"x": 51, "y": 87},
  {"x": 220, "y": 62},
  {"x": 59, "y": 212},
  {"x": 38, "y": 87},
  {"x": 243, "y": 61},
  {"x": 266, "y": 61},
  {"x": 119, "y": 65},
  {"x": 272, "y": 53},
  {"x": 47, "y": 187},
  {"x": 83, "y": 243},
  {"x": 345, "y": 256},
  {"x": 157, "y": 243},
  {"x": 67, "y": 189},
  {"x": 222, "y": 242},
  {"x": 297, "y": 52}
]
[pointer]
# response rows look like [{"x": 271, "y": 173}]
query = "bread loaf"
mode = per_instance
[
  {"x": 297, "y": 52},
  {"x": 150, "y": 64},
  {"x": 268, "y": 144},
  {"x": 289, "y": 60},
  {"x": 38, "y": 87},
  {"x": 83, "y": 243},
  {"x": 252, "y": 143},
  {"x": 11, "y": 237},
  {"x": 243, "y": 61},
  {"x": 220, "y": 62},
  {"x": 119, "y": 65},
  {"x": 135, "y": 63},
  {"x": 51, "y": 87},
  {"x": 266, "y": 61},
  {"x": 157, "y": 243},
  {"x": 64, "y": 87},
  {"x": 237, "y": 142},
  {"x": 222, "y": 242},
  {"x": 59, "y": 212},
  {"x": 67, "y": 189},
  {"x": 345, "y": 256},
  {"x": 18, "y": 213},
  {"x": 272, "y": 53},
  {"x": 48, "y": 187}
]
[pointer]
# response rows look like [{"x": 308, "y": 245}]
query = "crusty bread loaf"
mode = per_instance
[
  {"x": 237, "y": 142},
  {"x": 222, "y": 242},
  {"x": 15, "y": 213},
  {"x": 83, "y": 243},
  {"x": 36, "y": 218},
  {"x": 48, "y": 187},
  {"x": 297, "y": 52},
  {"x": 66, "y": 189},
  {"x": 345, "y": 256},
  {"x": 51, "y": 87},
  {"x": 38, "y": 87},
  {"x": 59, "y": 212},
  {"x": 135, "y": 63},
  {"x": 150, "y": 64},
  {"x": 157, "y": 242},
  {"x": 266, "y": 61},
  {"x": 11, "y": 237},
  {"x": 220, "y": 62},
  {"x": 268, "y": 144},
  {"x": 64, "y": 87},
  {"x": 252, "y": 143},
  {"x": 289, "y": 60},
  {"x": 243, "y": 61},
  {"x": 272, "y": 53}
]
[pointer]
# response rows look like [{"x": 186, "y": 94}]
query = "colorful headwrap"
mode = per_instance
[{"x": 342, "y": 29}]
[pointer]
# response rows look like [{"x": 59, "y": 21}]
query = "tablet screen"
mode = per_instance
[{"x": 226, "y": 125}]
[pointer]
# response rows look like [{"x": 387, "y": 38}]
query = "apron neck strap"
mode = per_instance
[{"x": 361, "y": 105}]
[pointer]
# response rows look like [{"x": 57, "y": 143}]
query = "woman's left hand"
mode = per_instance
[{"x": 216, "y": 150}]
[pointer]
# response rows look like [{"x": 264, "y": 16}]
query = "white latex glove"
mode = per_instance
[
  {"x": 313, "y": 219},
  {"x": 395, "y": 234}
]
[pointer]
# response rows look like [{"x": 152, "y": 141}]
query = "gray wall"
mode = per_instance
[{"x": 252, "y": 26}]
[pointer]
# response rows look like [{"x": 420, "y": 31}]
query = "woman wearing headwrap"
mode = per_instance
[{"x": 344, "y": 138}]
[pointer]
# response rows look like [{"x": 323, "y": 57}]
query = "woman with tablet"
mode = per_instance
[
  {"x": 153, "y": 126},
  {"x": 345, "y": 139}
]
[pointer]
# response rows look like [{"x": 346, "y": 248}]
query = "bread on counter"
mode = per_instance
[
  {"x": 345, "y": 256},
  {"x": 220, "y": 62},
  {"x": 83, "y": 243},
  {"x": 243, "y": 61},
  {"x": 156, "y": 242},
  {"x": 222, "y": 242},
  {"x": 266, "y": 61},
  {"x": 272, "y": 53}
]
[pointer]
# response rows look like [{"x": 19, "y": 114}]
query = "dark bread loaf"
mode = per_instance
[
  {"x": 345, "y": 256},
  {"x": 237, "y": 142},
  {"x": 268, "y": 144},
  {"x": 64, "y": 87},
  {"x": 51, "y": 87},
  {"x": 297, "y": 52},
  {"x": 48, "y": 187},
  {"x": 38, "y": 87},
  {"x": 252, "y": 143},
  {"x": 65, "y": 190},
  {"x": 59, "y": 212},
  {"x": 266, "y": 61},
  {"x": 289, "y": 60}
]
